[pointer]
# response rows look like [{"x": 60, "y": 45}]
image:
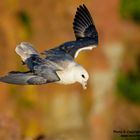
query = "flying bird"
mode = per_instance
[{"x": 58, "y": 66}]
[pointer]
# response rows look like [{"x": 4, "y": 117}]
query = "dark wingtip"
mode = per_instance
[{"x": 83, "y": 24}]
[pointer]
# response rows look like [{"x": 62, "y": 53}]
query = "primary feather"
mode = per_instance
[
  {"x": 83, "y": 24},
  {"x": 85, "y": 33}
]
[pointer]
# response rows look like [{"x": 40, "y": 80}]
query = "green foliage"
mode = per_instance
[
  {"x": 129, "y": 84},
  {"x": 126, "y": 138},
  {"x": 130, "y": 9},
  {"x": 25, "y": 20}
]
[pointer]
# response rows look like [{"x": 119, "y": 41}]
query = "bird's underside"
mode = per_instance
[{"x": 59, "y": 61}]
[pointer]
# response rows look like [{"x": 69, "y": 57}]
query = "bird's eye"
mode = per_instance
[{"x": 83, "y": 76}]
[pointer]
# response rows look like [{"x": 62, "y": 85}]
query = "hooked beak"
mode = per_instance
[{"x": 84, "y": 85}]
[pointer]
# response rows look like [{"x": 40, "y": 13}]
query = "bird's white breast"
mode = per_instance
[{"x": 67, "y": 75}]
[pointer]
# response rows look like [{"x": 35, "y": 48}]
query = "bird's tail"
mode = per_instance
[{"x": 25, "y": 50}]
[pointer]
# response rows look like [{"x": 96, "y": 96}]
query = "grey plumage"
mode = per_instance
[
  {"x": 22, "y": 78},
  {"x": 41, "y": 71},
  {"x": 59, "y": 65},
  {"x": 85, "y": 33},
  {"x": 25, "y": 50},
  {"x": 83, "y": 24}
]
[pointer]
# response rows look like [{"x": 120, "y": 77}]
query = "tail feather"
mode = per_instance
[{"x": 25, "y": 50}]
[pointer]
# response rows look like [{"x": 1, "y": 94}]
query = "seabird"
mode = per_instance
[{"x": 58, "y": 66}]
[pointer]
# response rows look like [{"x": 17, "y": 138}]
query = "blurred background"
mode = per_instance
[{"x": 58, "y": 112}]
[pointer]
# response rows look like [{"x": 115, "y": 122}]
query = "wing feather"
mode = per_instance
[
  {"x": 83, "y": 24},
  {"x": 85, "y": 33},
  {"x": 21, "y": 78}
]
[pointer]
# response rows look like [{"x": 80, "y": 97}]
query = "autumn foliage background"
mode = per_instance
[{"x": 112, "y": 100}]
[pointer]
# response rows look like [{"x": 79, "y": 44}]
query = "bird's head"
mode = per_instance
[{"x": 81, "y": 76}]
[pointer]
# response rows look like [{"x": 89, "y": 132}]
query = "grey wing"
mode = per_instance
[
  {"x": 85, "y": 33},
  {"x": 47, "y": 71},
  {"x": 25, "y": 50},
  {"x": 25, "y": 78},
  {"x": 21, "y": 78},
  {"x": 58, "y": 58},
  {"x": 83, "y": 24}
]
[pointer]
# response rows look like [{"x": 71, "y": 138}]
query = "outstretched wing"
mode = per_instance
[
  {"x": 25, "y": 50},
  {"x": 83, "y": 24},
  {"x": 29, "y": 78},
  {"x": 21, "y": 78},
  {"x": 85, "y": 33},
  {"x": 41, "y": 71}
]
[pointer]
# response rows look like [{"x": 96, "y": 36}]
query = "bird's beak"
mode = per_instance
[{"x": 84, "y": 84}]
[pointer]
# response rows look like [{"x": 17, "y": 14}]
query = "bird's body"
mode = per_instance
[
  {"x": 69, "y": 75},
  {"x": 58, "y": 66}
]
